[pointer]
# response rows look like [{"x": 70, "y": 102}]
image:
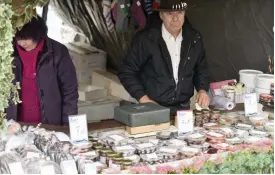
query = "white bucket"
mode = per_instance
[
  {"x": 260, "y": 91},
  {"x": 248, "y": 76},
  {"x": 264, "y": 81}
]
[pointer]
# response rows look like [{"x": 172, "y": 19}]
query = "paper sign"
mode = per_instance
[
  {"x": 90, "y": 168},
  {"x": 47, "y": 169},
  {"x": 250, "y": 104},
  {"x": 122, "y": 6},
  {"x": 138, "y": 3},
  {"x": 68, "y": 167},
  {"x": 16, "y": 168},
  {"x": 78, "y": 129},
  {"x": 185, "y": 121}
]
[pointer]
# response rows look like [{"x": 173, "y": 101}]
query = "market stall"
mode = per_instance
[{"x": 236, "y": 141}]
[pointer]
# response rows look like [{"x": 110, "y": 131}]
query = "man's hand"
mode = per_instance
[
  {"x": 203, "y": 99},
  {"x": 146, "y": 99}
]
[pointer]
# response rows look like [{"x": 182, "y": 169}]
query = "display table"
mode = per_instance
[{"x": 107, "y": 124}]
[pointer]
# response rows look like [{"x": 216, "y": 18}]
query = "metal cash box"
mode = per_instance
[{"x": 142, "y": 114}]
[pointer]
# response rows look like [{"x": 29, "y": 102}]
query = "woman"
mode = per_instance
[{"x": 49, "y": 90}]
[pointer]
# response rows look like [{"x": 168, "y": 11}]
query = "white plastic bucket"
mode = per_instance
[
  {"x": 247, "y": 77},
  {"x": 264, "y": 81},
  {"x": 260, "y": 91}
]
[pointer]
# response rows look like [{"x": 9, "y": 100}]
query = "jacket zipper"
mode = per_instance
[{"x": 189, "y": 47}]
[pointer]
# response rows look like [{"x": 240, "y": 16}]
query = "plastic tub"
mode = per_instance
[
  {"x": 264, "y": 81},
  {"x": 247, "y": 77}
]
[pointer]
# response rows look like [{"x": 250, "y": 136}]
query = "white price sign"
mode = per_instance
[
  {"x": 185, "y": 121},
  {"x": 78, "y": 129},
  {"x": 250, "y": 104}
]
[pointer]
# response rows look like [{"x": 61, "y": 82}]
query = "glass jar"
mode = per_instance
[
  {"x": 198, "y": 119},
  {"x": 110, "y": 156},
  {"x": 116, "y": 162},
  {"x": 103, "y": 155},
  {"x": 97, "y": 146},
  {"x": 126, "y": 164},
  {"x": 272, "y": 89},
  {"x": 205, "y": 116},
  {"x": 215, "y": 116}
]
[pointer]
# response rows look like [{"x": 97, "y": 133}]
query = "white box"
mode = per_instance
[
  {"x": 90, "y": 92},
  {"x": 111, "y": 82},
  {"x": 97, "y": 110}
]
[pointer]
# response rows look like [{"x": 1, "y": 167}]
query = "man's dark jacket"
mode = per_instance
[
  {"x": 56, "y": 83},
  {"x": 147, "y": 68}
]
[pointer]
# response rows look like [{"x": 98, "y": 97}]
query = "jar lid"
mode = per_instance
[
  {"x": 205, "y": 111},
  {"x": 215, "y": 111},
  {"x": 118, "y": 158},
  {"x": 198, "y": 113},
  {"x": 127, "y": 162},
  {"x": 104, "y": 150},
  {"x": 272, "y": 85},
  {"x": 98, "y": 146},
  {"x": 111, "y": 154}
]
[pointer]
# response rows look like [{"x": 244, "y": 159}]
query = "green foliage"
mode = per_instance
[{"x": 6, "y": 50}]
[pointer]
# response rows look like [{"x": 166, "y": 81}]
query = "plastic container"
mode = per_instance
[
  {"x": 116, "y": 140},
  {"x": 151, "y": 159},
  {"x": 168, "y": 153},
  {"x": 242, "y": 133},
  {"x": 211, "y": 126},
  {"x": 247, "y": 77},
  {"x": 215, "y": 137},
  {"x": 145, "y": 148},
  {"x": 258, "y": 120},
  {"x": 228, "y": 132},
  {"x": 221, "y": 146},
  {"x": 263, "y": 81},
  {"x": 243, "y": 126},
  {"x": 134, "y": 158},
  {"x": 234, "y": 141},
  {"x": 252, "y": 139},
  {"x": 126, "y": 150},
  {"x": 269, "y": 126},
  {"x": 189, "y": 152},
  {"x": 198, "y": 119},
  {"x": 196, "y": 139},
  {"x": 165, "y": 135},
  {"x": 215, "y": 115},
  {"x": 204, "y": 147},
  {"x": 258, "y": 133},
  {"x": 205, "y": 116},
  {"x": 176, "y": 143}
]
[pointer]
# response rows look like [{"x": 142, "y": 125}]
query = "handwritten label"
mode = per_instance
[
  {"x": 122, "y": 6},
  {"x": 250, "y": 104},
  {"x": 78, "y": 129},
  {"x": 16, "y": 168},
  {"x": 47, "y": 169},
  {"x": 185, "y": 122}
]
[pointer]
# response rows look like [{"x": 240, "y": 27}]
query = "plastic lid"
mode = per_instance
[{"x": 205, "y": 111}]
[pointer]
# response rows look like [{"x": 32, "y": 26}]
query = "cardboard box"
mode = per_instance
[
  {"x": 112, "y": 83},
  {"x": 148, "y": 128},
  {"x": 90, "y": 92}
]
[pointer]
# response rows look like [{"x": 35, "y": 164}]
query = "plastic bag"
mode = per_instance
[{"x": 7, "y": 158}]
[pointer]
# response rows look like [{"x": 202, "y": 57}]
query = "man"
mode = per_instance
[
  {"x": 49, "y": 89},
  {"x": 166, "y": 61}
]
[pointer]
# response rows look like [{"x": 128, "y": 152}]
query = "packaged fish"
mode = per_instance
[
  {"x": 151, "y": 159},
  {"x": 145, "y": 148},
  {"x": 234, "y": 140},
  {"x": 168, "y": 153},
  {"x": 188, "y": 152},
  {"x": 196, "y": 139},
  {"x": 215, "y": 137},
  {"x": 228, "y": 132},
  {"x": 126, "y": 150}
]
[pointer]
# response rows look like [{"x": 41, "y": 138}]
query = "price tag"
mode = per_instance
[
  {"x": 90, "y": 168},
  {"x": 68, "y": 167},
  {"x": 78, "y": 129},
  {"x": 16, "y": 168},
  {"x": 250, "y": 104},
  {"x": 47, "y": 170},
  {"x": 138, "y": 3},
  {"x": 122, "y": 6},
  {"x": 185, "y": 121}
]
